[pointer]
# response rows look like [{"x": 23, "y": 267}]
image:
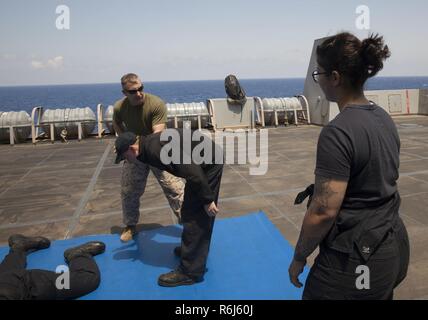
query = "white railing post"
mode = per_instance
[
  {"x": 295, "y": 115},
  {"x": 100, "y": 113},
  {"x": 79, "y": 130},
  {"x": 52, "y": 132},
  {"x": 11, "y": 136}
]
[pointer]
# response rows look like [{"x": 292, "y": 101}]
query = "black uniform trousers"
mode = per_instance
[
  {"x": 17, "y": 283},
  {"x": 198, "y": 226},
  {"x": 333, "y": 275}
]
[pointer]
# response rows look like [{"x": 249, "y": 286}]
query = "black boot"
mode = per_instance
[
  {"x": 92, "y": 248},
  {"x": 18, "y": 242},
  {"x": 176, "y": 278}
]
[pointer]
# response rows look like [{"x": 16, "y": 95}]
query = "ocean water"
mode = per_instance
[{"x": 89, "y": 95}]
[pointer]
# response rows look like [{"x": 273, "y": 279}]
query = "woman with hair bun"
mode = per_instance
[{"x": 354, "y": 213}]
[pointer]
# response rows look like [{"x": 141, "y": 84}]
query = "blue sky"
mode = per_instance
[{"x": 194, "y": 39}]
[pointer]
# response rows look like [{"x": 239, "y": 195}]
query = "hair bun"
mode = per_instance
[{"x": 374, "y": 52}]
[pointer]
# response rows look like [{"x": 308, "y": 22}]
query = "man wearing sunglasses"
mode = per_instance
[{"x": 142, "y": 114}]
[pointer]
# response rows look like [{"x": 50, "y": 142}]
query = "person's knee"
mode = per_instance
[
  {"x": 88, "y": 279},
  {"x": 94, "y": 282}
]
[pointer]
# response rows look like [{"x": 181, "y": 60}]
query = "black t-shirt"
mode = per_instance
[
  {"x": 361, "y": 145},
  {"x": 197, "y": 175}
]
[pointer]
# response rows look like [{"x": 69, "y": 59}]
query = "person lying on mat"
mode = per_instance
[
  {"x": 200, "y": 195},
  {"x": 17, "y": 283}
]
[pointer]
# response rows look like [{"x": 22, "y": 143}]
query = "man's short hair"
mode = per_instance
[{"x": 131, "y": 78}]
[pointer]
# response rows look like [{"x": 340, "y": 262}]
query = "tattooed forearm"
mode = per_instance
[
  {"x": 319, "y": 218},
  {"x": 323, "y": 195}
]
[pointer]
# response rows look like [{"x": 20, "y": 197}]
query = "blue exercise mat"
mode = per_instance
[{"x": 248, "y": 259}]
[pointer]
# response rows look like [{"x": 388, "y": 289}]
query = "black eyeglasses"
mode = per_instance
[
  {"x": 316, "y": 73},
  {"x": 140, "y": 89}
]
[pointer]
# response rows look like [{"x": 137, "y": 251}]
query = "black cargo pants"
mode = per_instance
[
  {"x": 17, "y": 283},
  {"x": 333, "y": 275},
  {"x": 198, "y": 226}
]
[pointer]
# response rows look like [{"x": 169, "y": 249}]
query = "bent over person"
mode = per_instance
[
  {"x": 142, "y": 114},
  {"x": 200, "y": 198}
]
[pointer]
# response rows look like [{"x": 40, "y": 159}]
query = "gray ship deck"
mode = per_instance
[{"x": 69, "y": 190}]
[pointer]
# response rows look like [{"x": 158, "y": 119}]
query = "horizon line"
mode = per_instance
[{"x": 165, "y": 81}]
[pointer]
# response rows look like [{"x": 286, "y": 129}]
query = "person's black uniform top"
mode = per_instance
[
  {"x": 193, "y": 173},
  {"x": 361, "y": 145}
]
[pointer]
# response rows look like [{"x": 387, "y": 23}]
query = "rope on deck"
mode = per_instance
[{"x": 79, "y": 210}]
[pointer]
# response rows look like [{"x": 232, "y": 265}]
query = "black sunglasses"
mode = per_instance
[
  {"x": 140, "y": 89},
  {"x": 316, "y": 73}
]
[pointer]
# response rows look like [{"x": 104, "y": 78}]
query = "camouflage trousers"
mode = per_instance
[{"x": 133, "y": 184}]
